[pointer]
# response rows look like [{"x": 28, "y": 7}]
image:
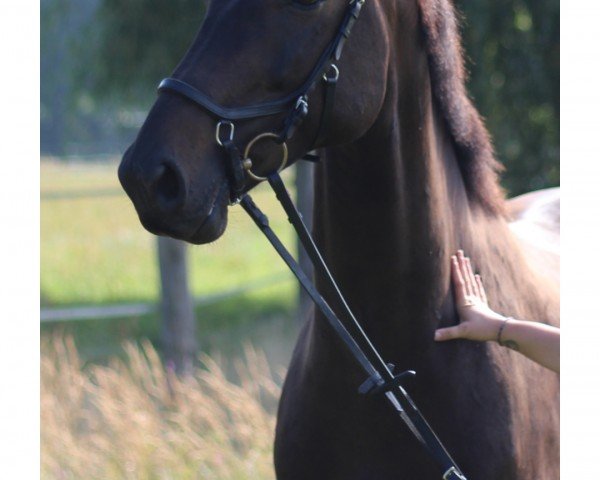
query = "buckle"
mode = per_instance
[
  {"x": 218, "y": 131},
  {"x": 336, "y": 74},
  {"x": 301, "y": 103}
]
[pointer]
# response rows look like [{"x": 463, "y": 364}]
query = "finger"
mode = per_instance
[
  {"x": 448, "y": 333},
  {"x": 478, "y": 293},
  {"x": 462, "y": 262},
  {"x": 472, "y": 279},
  {"x": 483, "y": 296},
  {"x": 457, "y": 280}
]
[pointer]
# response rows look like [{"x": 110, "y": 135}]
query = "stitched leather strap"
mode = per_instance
[
  {"x": 235, "y": 170},
  {"x": 328, "y": 104},
  {"x": 222, "y": 112}
]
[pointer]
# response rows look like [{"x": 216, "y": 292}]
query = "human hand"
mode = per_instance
[{"x": 477, "y": 320}]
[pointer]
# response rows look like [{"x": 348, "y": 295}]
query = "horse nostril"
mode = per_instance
[{"x": 169, "y": 189}]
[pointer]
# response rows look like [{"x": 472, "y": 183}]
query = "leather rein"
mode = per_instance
[{"x": 381, "y": 379}]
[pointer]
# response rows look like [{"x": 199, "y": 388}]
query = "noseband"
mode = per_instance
[{"x": 381, "y": 379}]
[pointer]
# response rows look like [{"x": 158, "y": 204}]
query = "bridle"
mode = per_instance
[
  {"x": 295, "y": 104},
  {"x": 381, "y": 379}
]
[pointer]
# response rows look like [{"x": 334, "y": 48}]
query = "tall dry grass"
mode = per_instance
[{"x": 134, "y": 419}]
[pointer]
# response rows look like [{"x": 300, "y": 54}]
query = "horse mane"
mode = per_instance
[{"x": 477, "y": 162}]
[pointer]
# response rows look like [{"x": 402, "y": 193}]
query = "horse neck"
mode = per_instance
[
  {"x": 391, "y": 208},
  {"x": 386, "y": 217}
]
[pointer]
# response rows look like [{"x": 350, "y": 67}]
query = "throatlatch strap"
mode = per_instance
[{"x": 381, "y": 378}]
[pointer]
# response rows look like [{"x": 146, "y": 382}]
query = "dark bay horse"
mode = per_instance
[{"x": 407, "y": 177}]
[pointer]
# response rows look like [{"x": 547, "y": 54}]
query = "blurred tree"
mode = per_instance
[
  {"x": 513, "y": 51},
  {"x": 141, "y": 42},
  {"x": 72, "y": 119},
  {"x": 60, "y": 22}
]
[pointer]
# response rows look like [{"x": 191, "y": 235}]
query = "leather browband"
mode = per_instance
[{"x": 225, "y": 113}]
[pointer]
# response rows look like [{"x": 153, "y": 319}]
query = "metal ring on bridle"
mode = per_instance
[
  {"x": 218, "y": 131},
  {"x": 336, "y": 74},
  {"x": 247, "y": 163},
  {"x": 453, "y": 470}
]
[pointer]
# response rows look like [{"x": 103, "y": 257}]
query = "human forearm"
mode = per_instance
[{"x": 537, "y": 341}]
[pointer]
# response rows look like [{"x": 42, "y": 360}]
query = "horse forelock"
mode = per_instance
[{"x": 477, "y": 162}]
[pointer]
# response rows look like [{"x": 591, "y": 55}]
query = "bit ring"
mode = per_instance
[{"x": 247, "y": 163}]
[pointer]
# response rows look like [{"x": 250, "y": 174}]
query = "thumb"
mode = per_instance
[{"x": 449, "y": 333}]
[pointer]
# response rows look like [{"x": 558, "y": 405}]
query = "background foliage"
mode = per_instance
[
  {"x": 513, "y": 54},
  {"x": 141, "y": 42}
]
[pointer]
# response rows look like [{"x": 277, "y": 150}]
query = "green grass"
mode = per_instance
[{"x": 94, "y": 250}]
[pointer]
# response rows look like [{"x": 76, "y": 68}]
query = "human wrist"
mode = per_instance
[
  {"x": 503, "y": 338},
  {"x": 485, "y": 323}
]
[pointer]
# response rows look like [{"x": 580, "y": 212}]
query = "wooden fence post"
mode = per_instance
[
  {"x": 178, "y": 329},
  {"x": 304, "y": 201}
]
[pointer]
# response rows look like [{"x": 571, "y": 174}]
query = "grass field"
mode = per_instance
[
  {"x": 94, "y": 251},
  {"x": 109, "y": 408}
]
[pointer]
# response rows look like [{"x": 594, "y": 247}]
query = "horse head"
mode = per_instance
[{"x": 251, "y": 52}]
